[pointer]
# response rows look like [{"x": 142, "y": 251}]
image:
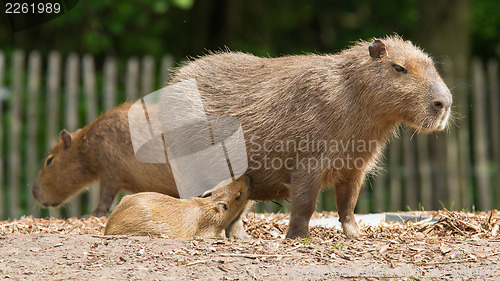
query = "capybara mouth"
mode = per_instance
[
  {"x": 432, "y": 123},
  {"x": 433, "y": 126},
  {"x": 48, "y": 205},
  {"x": 440, "y": 123}
]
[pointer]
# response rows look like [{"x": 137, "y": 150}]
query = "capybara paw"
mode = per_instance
[
  {"x": 293, "y": 234},
  {"x": 96, "y": 214},
  {"x": 238, "y": 236},
  {"x": 352, "y": 230}
]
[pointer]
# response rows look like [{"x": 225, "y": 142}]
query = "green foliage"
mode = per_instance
[
  {"x": 443, "y": 206},
  {"x": 485, "y": 27},
  {"x": 305, "y": 240},
  {"x": 339, "y": 246}
]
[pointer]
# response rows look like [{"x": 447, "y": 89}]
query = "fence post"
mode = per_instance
[
  {"x": 455, "y": 193},
  {"x": 495, "y": 124},
  {"x": 89, "y": 88},
  {"x": 379, "y": 190},
  {"x": 463, "y": 141},
  {"x": 424, "y": 172},
  {"x": 52, "y": 108},
  {"x": 410, "y": 178},
  {"x": 32, "y": 158},
  {"x": 394, "y": 170},
  {"x": 167, "y": 63},
  {"x": 2, "y": 97},
  {"x": 147, "y": 79},
  {"x": 480, "y": 143},
  {"x": 109, "y": 83},
  {"x": 132, "y": 78},
  {"x": 14, "y": 149},
  {"x": 71, "y": 116}
]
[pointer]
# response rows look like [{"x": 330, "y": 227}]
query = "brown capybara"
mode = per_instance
[
  {"x": 156, "y": 214},
  {"x": 319, "y": 121},
  {"x": 102, "y": 152}
]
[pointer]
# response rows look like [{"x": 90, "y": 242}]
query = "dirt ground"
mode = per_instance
[{"x": 461, "y": 246}]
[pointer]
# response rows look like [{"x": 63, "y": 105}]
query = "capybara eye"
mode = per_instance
[
  {"x": 49, "y": 160},
  {"x": 399, "y": 68},
  {"x": 239, "y": 195}
]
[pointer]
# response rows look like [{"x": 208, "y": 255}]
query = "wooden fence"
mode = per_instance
[{"x": 41, "y": 96}]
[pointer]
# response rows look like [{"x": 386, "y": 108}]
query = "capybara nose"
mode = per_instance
[
  {"x": 441, "y": 104},
  {"x": 437, "y": 105},
  {"x": 442, "y": 97}
]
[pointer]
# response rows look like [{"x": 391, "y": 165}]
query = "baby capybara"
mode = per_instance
[{"x": 156, "y": 214}]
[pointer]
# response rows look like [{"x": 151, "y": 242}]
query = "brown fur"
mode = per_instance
[
  {"x": 356, "y": 94},
  {"x": 101, "y": 152},
  {"x": 150, "y": 213}
]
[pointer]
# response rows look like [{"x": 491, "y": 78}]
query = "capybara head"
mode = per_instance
[
  {"x": 230, "y": 195},
  {"x": 63, "y": 173},
  {"x": 400, "y": 80}
]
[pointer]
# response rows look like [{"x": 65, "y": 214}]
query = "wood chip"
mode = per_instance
[
  {"x": 196, "y": 262},
  {"x": 494, "y": 231},
  {"x": 255, "y": 256},
  {"x": 444, "y": 249}
]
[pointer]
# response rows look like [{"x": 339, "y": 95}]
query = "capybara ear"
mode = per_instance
[
  {"x": 221, "y": 206},
  {"x": 206, "y": 194},
  {"x": 377, "y": 49},
  {"x": 66, "y": 139}
]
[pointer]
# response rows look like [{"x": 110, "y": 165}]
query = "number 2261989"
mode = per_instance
[{"x": 32, "y": 8}]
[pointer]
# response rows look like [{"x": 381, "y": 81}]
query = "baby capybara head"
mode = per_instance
[
  {"x": 399, "y": 82},
  {"x": 230, "y": 195},
  {"x": 63, "y": 173}
]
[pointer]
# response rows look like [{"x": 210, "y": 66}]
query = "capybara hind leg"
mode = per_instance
[
  {"x": 107, "y": 194},
  {"x": 303, "y": 205},
  {"x": 347, "y": 195}
]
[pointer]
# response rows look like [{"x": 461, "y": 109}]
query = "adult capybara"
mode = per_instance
[
  {"x": 101, "y": 152},
  {"x": 151, "y": 213},
  {"x": 318, "y": 121}
]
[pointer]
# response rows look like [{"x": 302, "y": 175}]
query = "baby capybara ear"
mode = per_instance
[
  {"x": 221, "y": 206},
  {"x": 66, "y": 139},
  {"x": 377, "y": 49},
  {"x": 206, "y": 194}
]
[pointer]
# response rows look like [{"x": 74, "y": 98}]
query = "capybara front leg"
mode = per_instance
[
  {"x": 108, "y": 192},
  {"x": 347, "y": 195},
  {"x": 303, "y": 205}
]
